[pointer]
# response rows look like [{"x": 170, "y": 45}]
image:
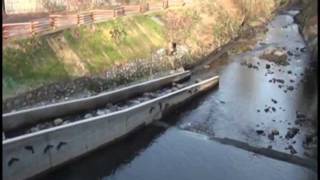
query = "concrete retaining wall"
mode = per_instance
[
  {"x": 31, "y": 116},
  {"x": 31, "y": 154}
]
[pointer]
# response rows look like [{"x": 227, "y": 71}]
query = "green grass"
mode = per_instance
[{"x": 31, "y": 62}]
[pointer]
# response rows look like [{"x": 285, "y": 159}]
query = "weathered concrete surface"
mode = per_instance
[
  {"x": 28, "y": 155},
  {"x": 31, "y": 116}
]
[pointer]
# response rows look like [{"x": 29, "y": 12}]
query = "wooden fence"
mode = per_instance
[{"x": 57, "y": 22}]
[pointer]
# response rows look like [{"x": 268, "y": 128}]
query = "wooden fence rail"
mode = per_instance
[{"x": 58, "y": 22}]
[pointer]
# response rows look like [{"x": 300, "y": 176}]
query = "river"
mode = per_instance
[{"x": 184, "y": 149}]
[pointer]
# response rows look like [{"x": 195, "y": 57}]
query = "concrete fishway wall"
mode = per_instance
[
  {"x": 31, "y": 116},
  {"x": 31, "y": 154}
]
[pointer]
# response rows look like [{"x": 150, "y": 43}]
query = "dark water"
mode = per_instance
[
  {"x": 184, "y": 150},
  {"x": 232, "y": 110}
]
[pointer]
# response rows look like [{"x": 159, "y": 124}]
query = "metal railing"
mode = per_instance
[{"x": 57, "y": 22}]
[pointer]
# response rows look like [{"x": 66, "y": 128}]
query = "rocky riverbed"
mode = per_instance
[
  {"x": 267, "y": 96},
  {"x": 107, "y": 109}
]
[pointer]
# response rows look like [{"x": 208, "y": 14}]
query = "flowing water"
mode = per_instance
[{"x": 236, "y": 110}]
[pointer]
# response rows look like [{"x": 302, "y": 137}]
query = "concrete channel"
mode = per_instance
[
  {"x": 31, "y": 116},
  {"x": 28, "y": 155}
]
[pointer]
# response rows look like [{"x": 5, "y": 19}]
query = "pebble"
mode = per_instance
[
  {"x": 206, "y": 66},
  {"x": 259, "y": 132},
  {"x": 87, "y": 116},
  {"x": 292, "y": 150},
  {"x": 58, "y": 121},
  {"x": 274, "y": 101},
  {"x": 65, "y": 122},
  {"x": 290, "y": 88},
  {"x": 268, "y": 66},
  {"x": 114, "y": 108},
  {"x": 280, "y": 81},
  {"x": 100, "y": 112},
  {"x": 291, "y": 132},
  {"x": 134, "y": 102},
  {"x": 300, "y": 115},
  {"x": 179, "y": 86},
  {"x": 34, "y": 129},
  {"x": 271, "y": 136},
  {"x": 275, "y": 132},
  {"x": 304, "y": 49}
]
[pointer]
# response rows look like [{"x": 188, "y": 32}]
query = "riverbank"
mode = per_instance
[{"x": 79, "y": 62}]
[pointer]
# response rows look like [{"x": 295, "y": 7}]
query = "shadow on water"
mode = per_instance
[
  {"x": 229, "y": 111},
  {"x": 106, "y": 160},
  {"x": 110, "y": 158}
]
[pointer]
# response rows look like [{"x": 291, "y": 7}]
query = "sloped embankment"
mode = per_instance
[
  {"x": 308, "y": 21},
  {"x": 94, "y": 58}
]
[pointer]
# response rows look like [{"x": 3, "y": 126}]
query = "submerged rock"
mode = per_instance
[
  {"x": 259, "y": 132},
  {"x": 271, "y": 136},
  {"x": 278, "y": 56},
  {"x": 290, "y": 88},
  {"x": 275, "y": 132},
  {"x": 292, "y": 150},
  {"x": 291, "y": 132}
]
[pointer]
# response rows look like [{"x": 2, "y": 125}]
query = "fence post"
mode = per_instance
[
  {"x": 123, "y": 11},
  {"x": 5, "y": 32},
  {"x": 92, "y": 18},
  {"x": 33, "y": 33},
  {"x": 78, "y": 19},
  {"x": 165, "y": 4},
  {"x": 144, "y": 7},
  {"x": 141, "y": 8},
  {"x": 52, "y": 22}
]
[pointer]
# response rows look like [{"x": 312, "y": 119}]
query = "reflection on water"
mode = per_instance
[
  {"x": 181, "y": 155},
  {"x": 247, "y": 91},
  {"x": 229, "y": 111}
]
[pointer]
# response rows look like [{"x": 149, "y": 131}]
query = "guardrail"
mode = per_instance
[{"x": 58, "y": 22}]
